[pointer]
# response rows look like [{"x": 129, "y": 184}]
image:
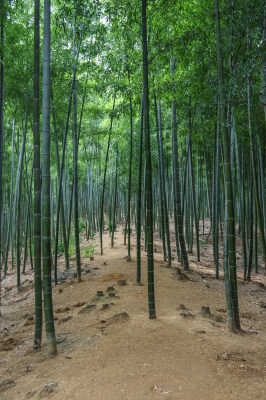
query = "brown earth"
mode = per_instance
[{"x": 117, "y": 353}]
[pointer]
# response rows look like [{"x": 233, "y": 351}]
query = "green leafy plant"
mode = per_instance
[
  {"x": 82, "y": 226},
  {"x": 71, "y": 250},
  {"x": 110, "y": 226},
  {"x": 61, "y": 247},
  {"x": 89, "y": 251}
]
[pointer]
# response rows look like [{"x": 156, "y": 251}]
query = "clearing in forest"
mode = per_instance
[{"x": 109, "y": 349}]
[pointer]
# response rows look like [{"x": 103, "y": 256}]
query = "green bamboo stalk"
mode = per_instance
[
  {"x": 129, "y": 173},
  {"x": 241, "y": 195},
  {"x": 104, "y": 176},
  {"x": 27, "y": 217},
  {"x": 161, "y": 205},
  {"x": 18, "y": 200},
  {"x": 75, "y": 166},
  {"x": 176, "y": 186},
  {"x": 251, "y": 233},
  {"x": 165, "y": 208},
  {"x": 229, "y": 247},
  {"x": 253, "y": 160},
  {"x": 193, "y": 182},
  {"x": 64, "y": 153},
  {"x": 62, "y": 207},
  {"x": 148, "y": 174},
  {"x": 138, "y": 219},
  {"x": 264, "y": 59},
  {"x": 1, "y": 125},
  {"x": 46, "y": 214},
  {"x": 10, "y": 225},
  {"x": 115, "y": 201}
]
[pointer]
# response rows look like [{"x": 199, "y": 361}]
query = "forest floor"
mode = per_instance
[{"x": 117, "y": 353}]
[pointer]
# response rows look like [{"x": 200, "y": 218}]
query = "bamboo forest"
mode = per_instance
[{"x": 132, "y": 199}]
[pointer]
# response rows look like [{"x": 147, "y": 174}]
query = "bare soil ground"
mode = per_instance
[{"x": 115, "y": 352}]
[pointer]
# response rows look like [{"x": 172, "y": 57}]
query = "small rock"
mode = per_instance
[
  {"x": 107, "y": 305},
  {"x": 5, "y": 331},
  {"x": 104, "y": 263},
  {"x": 61, "y": 338},
  {"x": 237, "y": 357},
  {"x": 87, "y": 271},
  {"x": 187, "y": 315},
  {"x": 87, "y": 309},
  {"x": 205, "y": 310},
  {"x": 62, "y": 310},
  {"x": 30, "y": 395},
  {"x": 27, "y": 368},
  {"x": 223, "y": 310},
  {"x": 63, "y": 320},
  {"x": 121, "y": 317},
  {"x": 79, "y": 304},
  {"x": 89, "y": 340},
  {"x": 47, "y": 389},
  {"x": 100, "y": 293},
  {"x": 122, "y": 282},
  {"x": 7, "y": 384},
  {"x": 60, "y": 291},
  {"x": 8, "y": 344},
  {"x": 199, "y": 331},
  {"x": 182, "y": 307}
]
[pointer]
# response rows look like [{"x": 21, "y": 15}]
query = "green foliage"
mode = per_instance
[
  {"x": 82, "y": 225},
  {"x": 71, "y": 250},
  {"x": 61, "y": 247},
  {"x": 89, "y": 251},
  {"x": 110, "y": 226}
]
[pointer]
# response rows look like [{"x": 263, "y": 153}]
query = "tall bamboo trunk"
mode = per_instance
[
  {"x": 253, "y": 159},
  {"x": 129, "y": 175},
  {"x": 18, "y": 217},
  {"x": 138, "y": 218},
  {"x": 264, "y": 59},
  {"x": 194, "y": 203},
  {"x": 229, "y": 237},
  {"x": 62, "y": 205},
  {"x": 148, "y": 173},
  {"x": 46, "y": 223},
  {"x": 75, "y": 167},
  {"x": 115, "y": 201},
  {"x": 161, "y": 205},
  {"x": 104, "y": 178},
  {"x": 176, "y": 187},
  {"x": 1, "y": 127}
]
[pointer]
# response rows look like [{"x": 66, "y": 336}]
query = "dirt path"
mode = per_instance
[{"x": 117, "y": 353}]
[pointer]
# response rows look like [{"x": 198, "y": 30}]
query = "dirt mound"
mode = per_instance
[{"x": 112, "y": 277}]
